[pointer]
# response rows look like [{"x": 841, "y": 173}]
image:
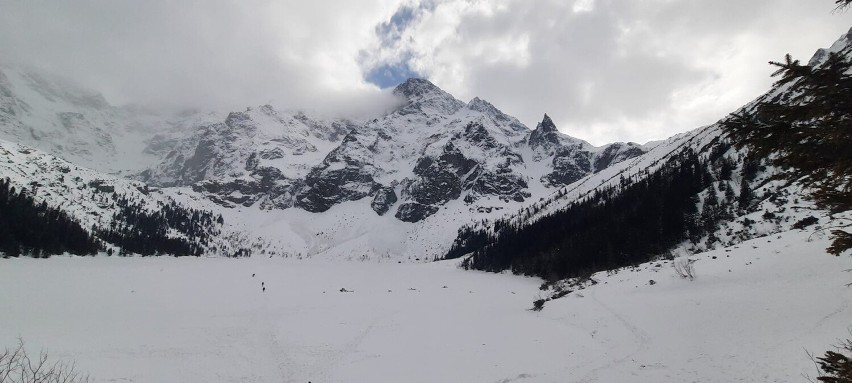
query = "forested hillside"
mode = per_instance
[
  {"x": 171, "y": 230},
  {"x": 684, "y": 201},
  {"x": 35, "y": 229}
]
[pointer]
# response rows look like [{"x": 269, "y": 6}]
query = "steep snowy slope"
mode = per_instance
[
  {"x": 690, "y": 193},
  {"x": 699, "y": 139},
  {"x": 124, "y": 215},
  {"x": 79, "y": 125},
  {"x": 256, "y": 156}
]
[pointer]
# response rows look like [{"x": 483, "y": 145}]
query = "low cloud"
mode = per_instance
[{"x": 203, "y": 54}]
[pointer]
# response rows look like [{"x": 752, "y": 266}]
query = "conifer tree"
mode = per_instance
[{"x": 809, "y": 133}]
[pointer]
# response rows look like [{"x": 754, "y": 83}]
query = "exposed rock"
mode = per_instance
[
  {"x": 545, "y": 134},
  {"x": 569, "y": 165},
  {"x": 267, "y": 186},
  {"x": 384, "y": 199},
  {"x": 195, "y": 168},
  {"x": 324, "y": 189},
  {"x": 507, "y": 186},
  {"x": 440, "y": 180},
  {"x": 572, "y": 159},
  {"x": 341, "y": 177},
  {"x": 238, "y": 120},
  {"x": 252, "y": 162},
  {"x": 615, "y": 153},
  {"x": 414, "y": 212},
  {"x": 479, "y": 136}
]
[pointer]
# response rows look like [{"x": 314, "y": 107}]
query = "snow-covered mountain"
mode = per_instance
[
  {"x": 693, "y": 192},
  {"x": 55, "y": 115},
  {"x": 392, "y": 186},
  {"x": 399, "y": 186},
  {"x": 124, "y": 215},
  {"x": 258, "y": 156},
  {"x": 431, "y": 150}
]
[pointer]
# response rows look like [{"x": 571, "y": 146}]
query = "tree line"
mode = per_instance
[
  {"x": 35, "y": 229},
  {"x": 618, "y": 226},
  {"x": 32, "y": 228},
  {"x": 170, "y": 230}
]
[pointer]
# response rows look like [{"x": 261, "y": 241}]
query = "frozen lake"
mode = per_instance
[{"x": 748, "y": 316}]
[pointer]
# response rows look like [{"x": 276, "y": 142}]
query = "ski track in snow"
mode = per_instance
[
  {"x": 267, "y": 336},
  {"x": 641, "y": 342}
]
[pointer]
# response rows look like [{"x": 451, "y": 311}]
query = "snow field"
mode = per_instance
[
  {"x": 750, "y": 315},
  {"x": 207, "y": 319}
]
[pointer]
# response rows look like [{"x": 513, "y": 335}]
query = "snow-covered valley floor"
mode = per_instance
[{"x": 749, "y": 316}]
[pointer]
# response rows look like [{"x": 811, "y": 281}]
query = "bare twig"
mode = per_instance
[
  {"x": 816, "y": 365},
  {"x": 16, "y": 366},
  {"x": 683, "y": 268}
]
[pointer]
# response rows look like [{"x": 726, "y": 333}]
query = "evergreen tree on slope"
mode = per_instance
[{"x": 808, "y": 134}]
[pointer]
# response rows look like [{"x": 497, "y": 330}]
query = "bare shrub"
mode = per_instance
[
  {"x": 683, "y": 268},
  {"x": 16, "y": 366}
]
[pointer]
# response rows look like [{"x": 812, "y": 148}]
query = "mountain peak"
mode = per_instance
[
  {"x": 414, "y": 87},
  {"x": 844, "y": 43},
  {"x": 481, "y": 105},
  {"x": 545, "y": 133},
  {"x": 546, "y": 125},
  {"x": 421, "y": 93}
]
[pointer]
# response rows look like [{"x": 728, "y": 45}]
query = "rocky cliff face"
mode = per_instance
[
  {"x": 432, "y": 150},
  {"x": 259, "y": 156},
  {"x": 570, "y": 158}
]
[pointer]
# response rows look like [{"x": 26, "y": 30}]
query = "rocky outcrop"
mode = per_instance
[
  {"x": 545, "y": 134},
  {"x": 341, "y": 177},
  {"x": 256, "y": 157},
  {"x": 506, "y": 186},
  {"x": 440, "y": 179},
  {"x": 615, "y": 153},
  {"x": 569, "y": 165},
  {"x": 266, "y": 185},
  {"x": 572, "y": 159},
  {"x": 383, "y": 200},
  {"x": 414, "y": 212},
  {"x": 326, "y": 188}
]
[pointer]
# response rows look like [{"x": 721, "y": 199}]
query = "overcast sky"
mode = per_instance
[{"x": 627, "y": 70}]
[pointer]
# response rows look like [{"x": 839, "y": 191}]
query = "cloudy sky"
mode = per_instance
[{"x": 605, "y": 70}]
